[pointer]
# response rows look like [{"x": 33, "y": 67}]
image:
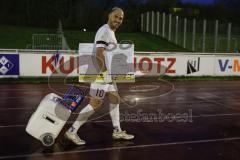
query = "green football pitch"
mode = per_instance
[{"x": 18, "y": 37}]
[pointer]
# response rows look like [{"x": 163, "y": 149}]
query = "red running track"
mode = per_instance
[{"x": 170, "y": 120}]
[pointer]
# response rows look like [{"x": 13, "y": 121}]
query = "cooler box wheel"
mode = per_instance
[{"x": 47, "y": 139}]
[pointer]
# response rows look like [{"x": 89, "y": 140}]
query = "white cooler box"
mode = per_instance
[{"x": 48, "y": 120}]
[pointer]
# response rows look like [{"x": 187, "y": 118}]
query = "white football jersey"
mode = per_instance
[{"x": 105, "y": 36}]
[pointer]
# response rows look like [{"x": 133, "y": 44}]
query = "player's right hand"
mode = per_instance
[{"x": 106, "y": 77}]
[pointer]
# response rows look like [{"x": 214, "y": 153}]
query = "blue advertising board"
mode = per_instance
[{"x": 9, "y": 65}]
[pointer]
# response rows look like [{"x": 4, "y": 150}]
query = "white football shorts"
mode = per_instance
[{"x": 99, "y": 90}]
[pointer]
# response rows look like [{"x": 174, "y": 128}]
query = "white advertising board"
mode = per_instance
[
  {"x": 227, "y": 65},
  {"x": 45, "y": 65},
  {"x": 119, "y": 60},
  {"x": 175, "y": 65}
]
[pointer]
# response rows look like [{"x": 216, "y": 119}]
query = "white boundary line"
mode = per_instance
[
  {"x": 160, "y": 103},
  {"x": 147, "y": 121},
  {"x": 179, "y": 102},
  {"x": 220, "y": 104},
  {"x": 117, "y": 148},
  {"x": 132, "y": 89}
]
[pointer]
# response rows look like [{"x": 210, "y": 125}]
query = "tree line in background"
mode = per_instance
[{"x": 90, "y": 14}]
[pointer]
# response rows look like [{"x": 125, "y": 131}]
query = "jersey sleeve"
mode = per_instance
[{"x": 102, "y": 40}]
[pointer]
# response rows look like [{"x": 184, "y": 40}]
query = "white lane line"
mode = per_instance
[
  {"x": 30, "y": 89},
  {"x": 23, "y": 97},
  {"x": 117, "y": 148},
  {"x": 179, "y": 102},
  {"x": 13, "y": 126},
  {"x": 26, "y": 90},
  {"x": 190, "y": 102},
  {"x": 146, "y": 120},
  {"x": 3, "y": 109},
  {"x": 218, "y": 103}
]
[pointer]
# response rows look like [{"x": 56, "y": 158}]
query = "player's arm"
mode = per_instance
[
  {"x": 101, "y": 58},
  {"x": 102, "y": 65},
  {"x": 101, "y": 44},
  {"x": 100, "y": 53}
]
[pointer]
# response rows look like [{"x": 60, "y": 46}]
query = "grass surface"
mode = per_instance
[
  {"x": 14, "y": 37},
  {"x": 142, "y": 41},
  {"x": 31, "y": 80}
]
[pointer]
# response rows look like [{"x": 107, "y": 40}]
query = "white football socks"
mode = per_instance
[
  {"x": 115, "y": 116},
  {"x": 82, "y": 118},
  {"x": 87, "y": 111}
]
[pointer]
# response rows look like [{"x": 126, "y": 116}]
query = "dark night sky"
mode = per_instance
[
  {"x": 199, "y": 1},
  {"x": 205, "y": 2}
]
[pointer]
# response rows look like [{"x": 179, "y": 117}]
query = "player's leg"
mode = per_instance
[
  {"x": 97, "y": 93},
  {"x": 114, "y": 100}
]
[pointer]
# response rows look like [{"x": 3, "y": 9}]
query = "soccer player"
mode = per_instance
[{"x": 104, "y": 36}]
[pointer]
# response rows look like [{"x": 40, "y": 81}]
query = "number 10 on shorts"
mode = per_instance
[{"x": 100, "y": 93}]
